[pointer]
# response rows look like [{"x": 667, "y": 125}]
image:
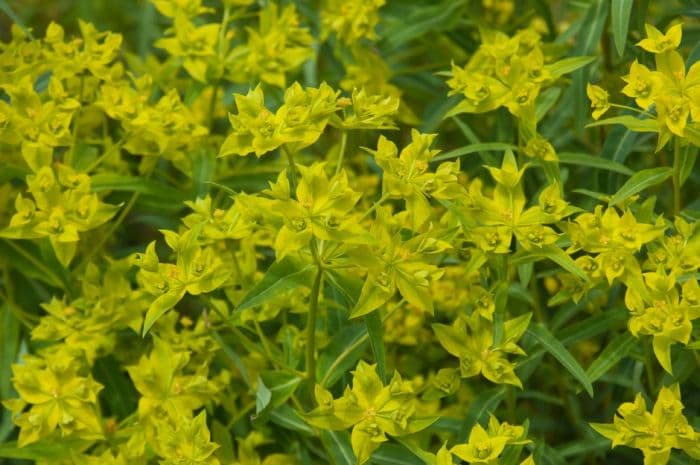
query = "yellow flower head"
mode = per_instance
[
  {"x": 657, "y": 42},
  {"x": 599, "y": 100}
]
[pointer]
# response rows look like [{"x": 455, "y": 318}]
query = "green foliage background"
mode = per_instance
[{"x": 418, "y": 40}]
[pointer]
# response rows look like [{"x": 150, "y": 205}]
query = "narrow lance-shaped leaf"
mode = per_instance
[
  {"x": 10, "y": 332},
  {"x": 557, "y": 349},
  {"x": 375, "y": 331},
  {"x": 274, "y": 388},
  {"x": 614, "y": 351},
  {"x": 481, "y": 406},
  {"x": 279, "y": 278},
  {"x": 591, "y": 161},
  {"x": 161, "y": 305},
  {"x": 394, "y": 454},
  {"x": 102, "y": 182},
  {"x": 553, "y": 253},
  {"x": 630, "y": 122},
  {"x": 475, "y": 148},
  {"x": 640, "y": 181},
  {"x": 337, "y": 443},
  {"x": 342, "y": 353},
  {"x": 620, "y": 11},
  {"x": 288, "y": 418},
  {"x": 568, "y": 65},
  {"x": 688, "y": 157}
]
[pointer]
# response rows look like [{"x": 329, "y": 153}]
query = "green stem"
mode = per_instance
[
  {"x": 241, "y": 413},
  {"x": 383, "y": 199},
  {"x": 311, "y": 328},
  {"x": 343, "y": 143},
  {"x": 117, "y": 146},
  {"x": 676, "y": 176},
  {"x": 636, "y": 110},
  {"x": 649, "y": 367},
  {"x": 212, "y": 104},
  {"x": 511, "y": 403},
  {"x": 222, "y": 30},
  {"x": 292, "y": 169},
  {"x": 263, "y": 340}
]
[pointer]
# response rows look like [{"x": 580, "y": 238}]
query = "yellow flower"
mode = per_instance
[
  {"x": 642, "y": 85},
  {"x": 655, "y": 432},
  {"x": 599, "y": 100},
  {"x": 657, "y": 42}
]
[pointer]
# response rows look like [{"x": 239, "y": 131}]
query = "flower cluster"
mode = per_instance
[
  {"x": 670, "y": 91},
  {"x": 269, "y": 233},
  {"x": 655, "y": 432}
]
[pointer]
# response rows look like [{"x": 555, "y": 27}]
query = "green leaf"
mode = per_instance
[
  {"x": 614, "y": 351},
  {"x": 337, "y": 443},
  {"x": 630, "y": 122},
  {"x": 250, "y": 180},
  {"x": 620, "y": 11},
  {"x": 44, "y": 450},
  {"x": 394, "y": 454},
  {"x": 590, "y": 327},
  {"x": 119, "y": 392},
  {"x": 420, "y": 21},
  {"x": 501, "y": 302},
  {"x": 584, "y": 447},
  {"x": 640, "y": 181},
  {"x": 221, "y": 436},
  {"x": 594, "y": 195},
  {"x": 475, "y": 148},
  {"x": 488, "y": 158},
  {"x": 480, "y": 408},
  {"x": 117, "y": 182},
  {"x": 592, "y": 161},
  {"x": 159, "y": 306},
  {"x": 587, "y": 40},
  {"x": 286, "y": 417},
  {"x": 263, "y": 396},
  {"x": 552, "y": 253},
  {"x": 203, "y": 164},
  {"x": 557, "y": 349},
  {"x": 282, "y": 276},
  {"x": 568, "y": 65},
  {"x": 233, "y": 356},
  {"x": 425, "y": 457},
  {"x": 593, "y": 326},
  {"x": 10, "y": 331},
  {"x": 545, "y": 455},
  {"x": 688, "y": 157},
  {"x": 342, "y": 353},
  {"x": 592, "y": 28},
  {"x": 348, "y": 287},
  {"x": 274, "y": 388},
  {"x": 545, "y": 101},
  {"x": 375, "y": 331},
  {"x": 4, "y": 7}
]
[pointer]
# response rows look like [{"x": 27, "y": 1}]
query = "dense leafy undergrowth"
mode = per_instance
[{"x": 349, "y": 232}]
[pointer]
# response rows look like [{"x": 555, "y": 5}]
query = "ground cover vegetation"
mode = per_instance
[{"x": 349, "y": 232}]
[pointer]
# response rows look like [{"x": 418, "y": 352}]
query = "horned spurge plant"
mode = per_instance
[{"x": 239, "y": 232}]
